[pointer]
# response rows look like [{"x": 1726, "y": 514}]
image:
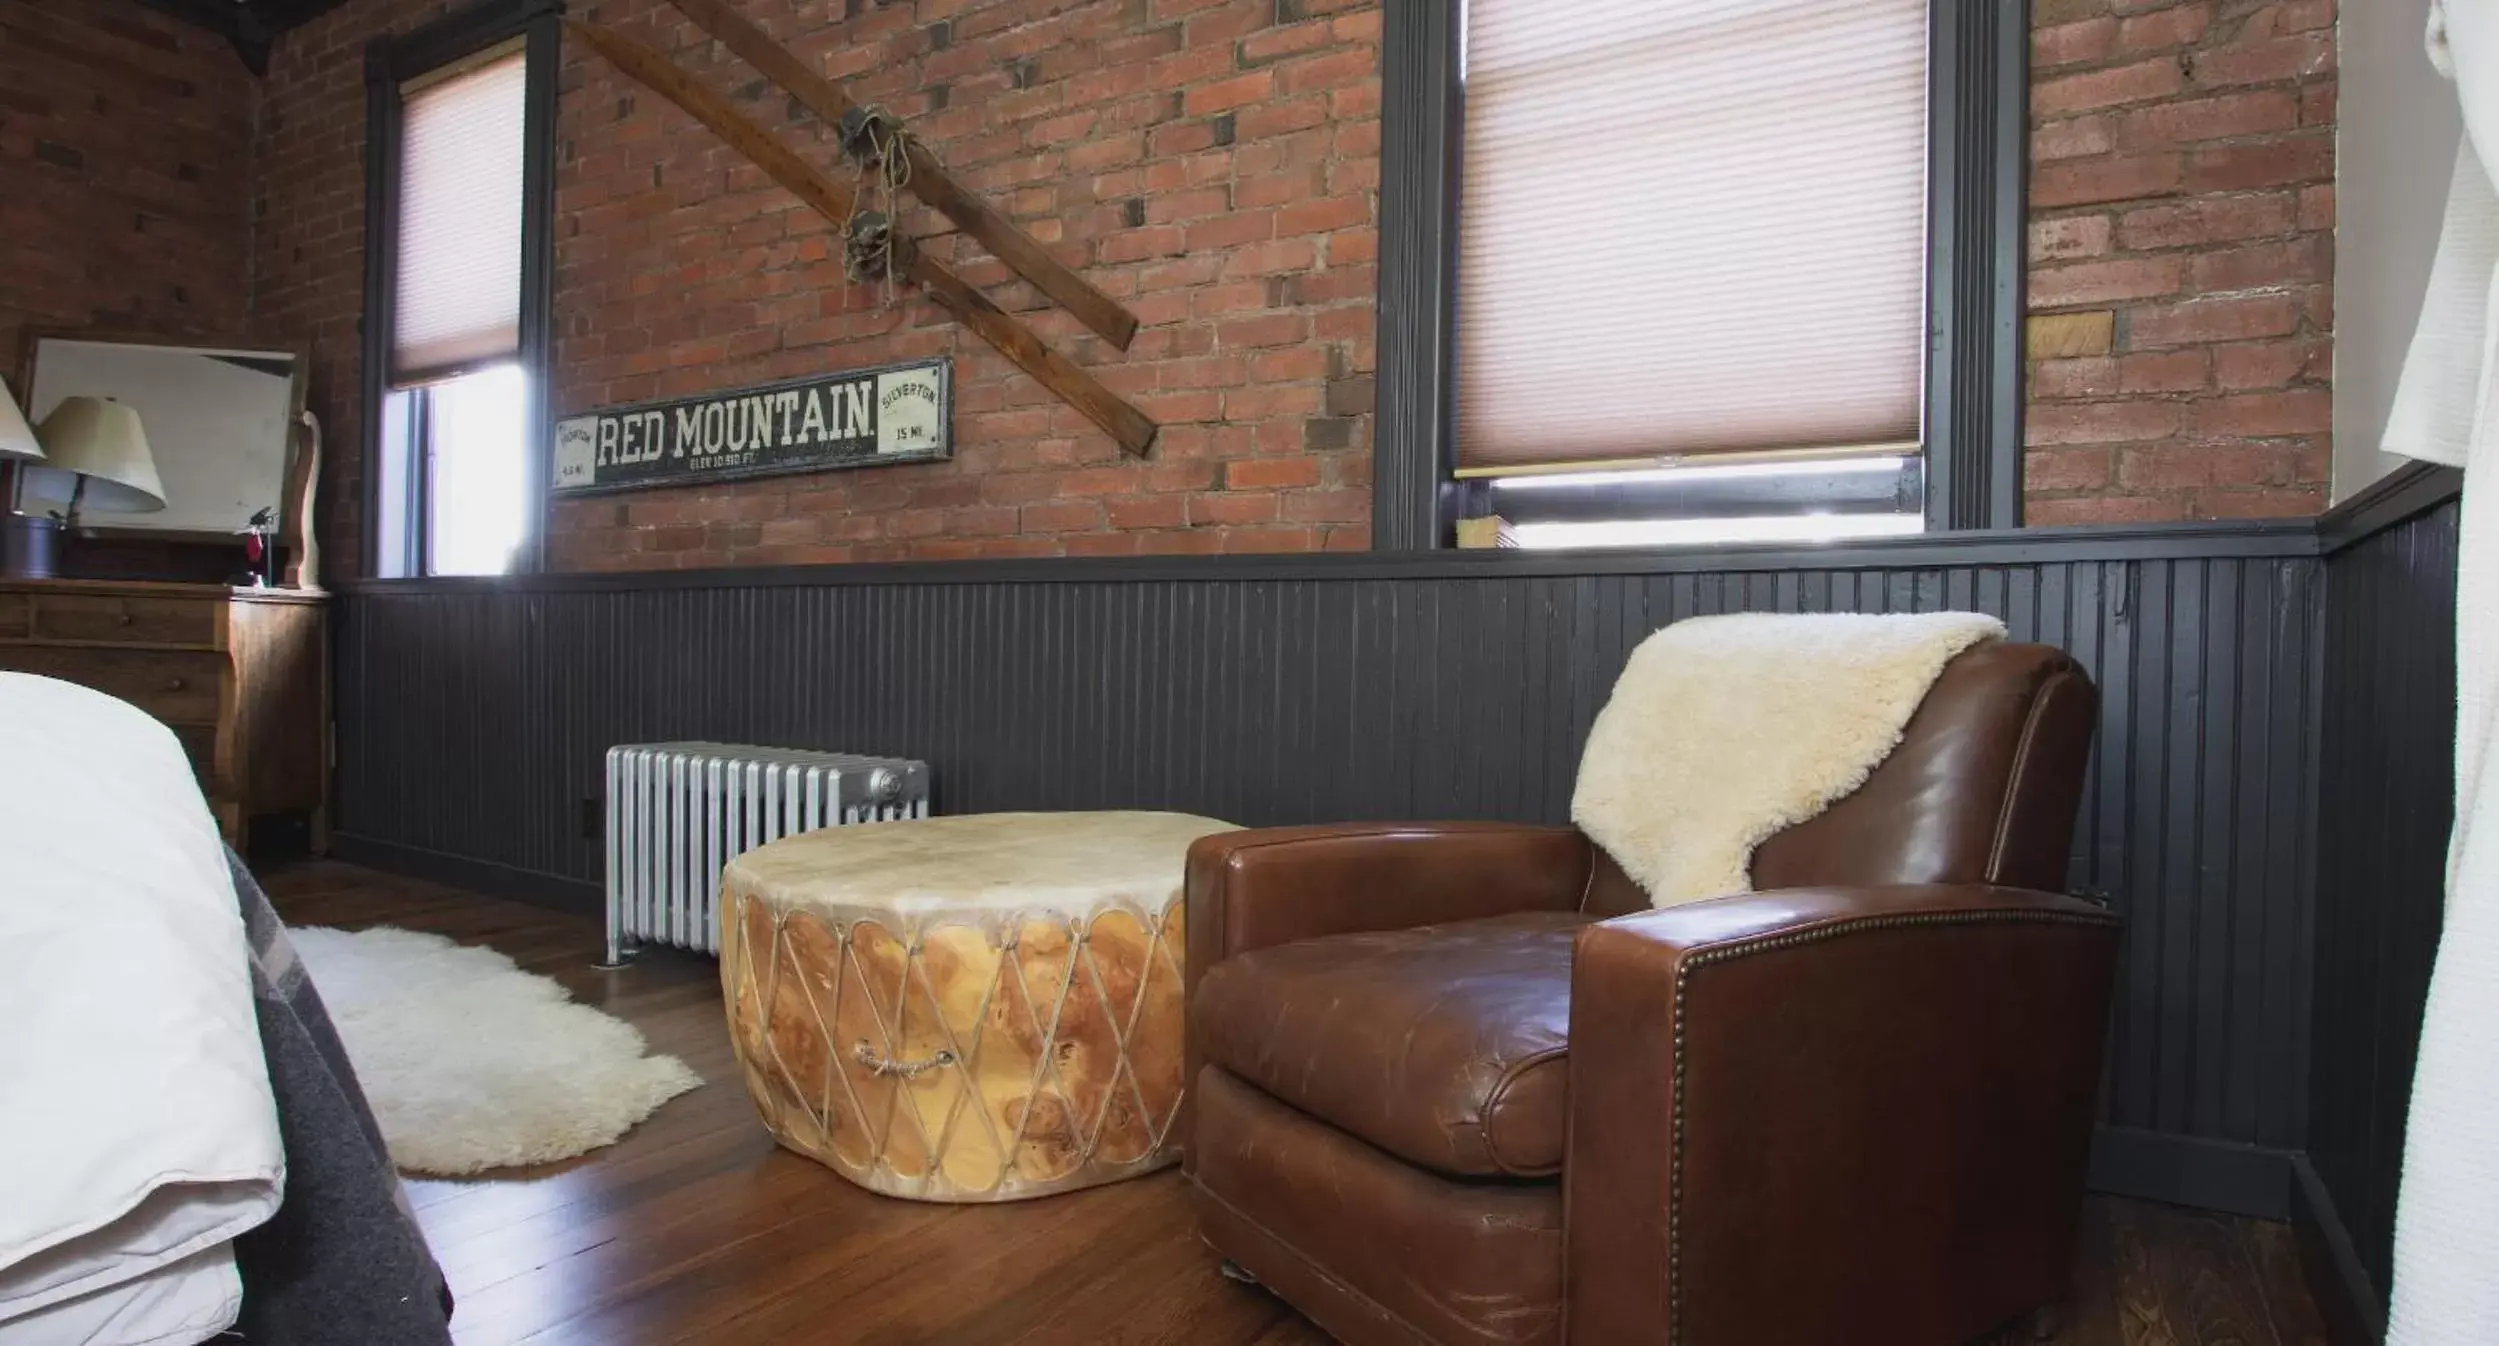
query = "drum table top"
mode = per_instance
[{"x": 1073, "y": 863}]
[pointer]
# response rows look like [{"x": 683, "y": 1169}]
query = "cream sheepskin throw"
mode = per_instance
[{"x": 1724, "y": 730}]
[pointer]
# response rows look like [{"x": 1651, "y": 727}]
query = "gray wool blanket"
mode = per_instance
[{"x": 342, "y": 1260}]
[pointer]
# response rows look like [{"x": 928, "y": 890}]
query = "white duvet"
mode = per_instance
[{"x": 137, "y": 1131}]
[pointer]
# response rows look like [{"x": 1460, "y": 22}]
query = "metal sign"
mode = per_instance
[{"x": 900, "y": 413}]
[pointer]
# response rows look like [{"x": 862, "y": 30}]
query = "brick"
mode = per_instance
[
  {"x": 2165, "y": 372},
  {"x": 1335, "y": 507},
  {"x": 2076, "y": 469},
  {"x": 2218, "y": 118},
  {"x": 2103, "y": 282},
  {"x": 2284, "y": 502},
  {"x": 2161, "y": 29},
  {"x": 2282, "y": 58},
  {"x": 2300, "y": 411},
  {"x": 1270, "y": 473},
  {"x": 2090, "y": 39},
  {"x": 1281, "y": 539},
  {"x": 2136, "y": 83},
  {"x": 1323, "y": 216},
  {"x": 2173, "y": 467},
  {"x": 1065, "y": 516},
  {"x": 2307, "y": 157},
  {"x": 2101, "y": 422},
  {"x": 2316, "y": 207},
  {"x": 1356, "y": 396},
  {"x": 2053, "y": 13},
  {"x": 1277, "y": 42},
  {"x": 2212, "y": 320},
  {"x": 2058, "y": 240},
  {"x": 2069, "y": 334},
  {"x": 2072, "y": 138},
  {"x": 2108, "y": 178},
  {"x": 2102, "y": 509},
  {"x": 2268, "y": 364},
  {"x": 2205, "y": 220},
  {"x": 2256, "y": 266},
  {"x": 2089, "y": 376},
  {"x": 1150, "y": 511},
  {"x": 1224, "y": 95},
  {"x": 1232, "y": 509}
]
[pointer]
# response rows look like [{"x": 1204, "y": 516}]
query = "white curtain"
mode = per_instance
[{"x": 2446, "y": 1286}]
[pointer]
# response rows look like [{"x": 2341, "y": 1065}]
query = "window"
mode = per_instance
[
  {"x": 1714, "y": 271},
  {"x": 456, "y": 310}
]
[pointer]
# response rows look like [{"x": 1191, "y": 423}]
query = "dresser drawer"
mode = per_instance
[
  {"x": 125, "y": 619},
  {"x": 16, "y": 616},
  {"x": 176, "y": 686}
]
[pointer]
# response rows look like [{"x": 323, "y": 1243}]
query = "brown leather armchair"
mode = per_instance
[{"x": 1457, "y": 1083}]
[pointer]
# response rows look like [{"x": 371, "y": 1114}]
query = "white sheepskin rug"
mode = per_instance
[
  {"x": 472, "y": 1064},
  {"x": 1724, "y": 730}
]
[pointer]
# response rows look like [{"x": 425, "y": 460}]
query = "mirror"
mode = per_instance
[{"x": 219, "y": 420}]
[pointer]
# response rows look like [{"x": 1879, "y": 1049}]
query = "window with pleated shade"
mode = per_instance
[
  {"x": 460, "y": 416},
  {"x": 1689, "y": 229},
  {"x": 456, "y": 300}
]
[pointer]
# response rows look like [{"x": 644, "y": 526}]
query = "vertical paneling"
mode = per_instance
[
  {"x": 474, "y": 718},
  {"x": 2384, "y": 806}
]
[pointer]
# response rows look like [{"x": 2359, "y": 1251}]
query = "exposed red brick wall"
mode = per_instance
[
  {"x": 125, "y": 147},
  {"x": 308, "y": 176},
  {"x": 2181, "y": 247},
  {"x": 1214, "y": 164},
  {"x": 1211, "y": 163}
]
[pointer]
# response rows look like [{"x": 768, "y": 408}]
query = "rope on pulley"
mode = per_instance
[{"x": 875, "y": 249}]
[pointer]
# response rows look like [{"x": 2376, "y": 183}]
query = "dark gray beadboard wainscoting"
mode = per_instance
[
  {"x": 2385, "y": 801},
  {"x": 473, "y": 716}
]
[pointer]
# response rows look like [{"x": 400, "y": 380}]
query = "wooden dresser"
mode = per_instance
[{"x": 241, "y": 676}]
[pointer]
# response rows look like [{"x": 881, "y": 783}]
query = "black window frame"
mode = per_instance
[
  {"x": 389, "y": 63},
  {"x": 1977, "y": 185}
]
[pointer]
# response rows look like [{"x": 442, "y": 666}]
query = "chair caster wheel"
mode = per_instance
[{"x": 1235, "y": 1272}]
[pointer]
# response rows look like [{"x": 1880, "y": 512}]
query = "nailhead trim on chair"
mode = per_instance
[{"x": 1817, "y": 935}]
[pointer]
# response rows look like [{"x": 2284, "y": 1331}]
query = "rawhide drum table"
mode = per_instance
[{"x": 974, "y": 1008}]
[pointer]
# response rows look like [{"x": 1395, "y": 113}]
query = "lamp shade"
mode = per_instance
[
  {"x": 102, "y": 440},
  {"x": 17, "y": 439}
]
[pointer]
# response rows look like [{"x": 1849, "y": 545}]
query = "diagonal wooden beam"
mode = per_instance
[
  {"x": 1069, "y": 380},
  {"x": 929, "y": 178}
]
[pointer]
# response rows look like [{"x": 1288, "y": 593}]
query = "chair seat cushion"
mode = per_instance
[{"x": 1443, "y": 1045}]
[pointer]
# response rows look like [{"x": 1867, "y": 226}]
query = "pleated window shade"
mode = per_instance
[
  {"x": 1690, "y": 227},
  {"x": 456, "y": 301}
]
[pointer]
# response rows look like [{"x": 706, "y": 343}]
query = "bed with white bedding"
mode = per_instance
[{"x": 183, "y": 1150}]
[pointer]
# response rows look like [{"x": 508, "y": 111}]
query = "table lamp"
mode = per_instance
[
  {"x": 102, "y": 441},
  {"x": 25, "y": 543}
]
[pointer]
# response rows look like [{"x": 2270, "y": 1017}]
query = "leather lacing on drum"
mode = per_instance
[
  {"x": 1728, "y": 953},
  {"x": 1081, "y": 964}
]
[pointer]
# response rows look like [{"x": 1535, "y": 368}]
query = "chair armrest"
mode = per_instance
[
  {"x": 1251, "y": 889},
  {"x": 1796, "y": 1112}
]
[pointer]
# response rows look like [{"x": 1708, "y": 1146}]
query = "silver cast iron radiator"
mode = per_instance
[{"x": 678, "y": 812}]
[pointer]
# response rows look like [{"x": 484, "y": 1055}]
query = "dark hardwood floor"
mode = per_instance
[{"x": 696, "y": 1228}]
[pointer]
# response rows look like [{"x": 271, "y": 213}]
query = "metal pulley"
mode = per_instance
[
  {"x": 872, "y": 138},
  {"x": 874, "y": 250}
]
